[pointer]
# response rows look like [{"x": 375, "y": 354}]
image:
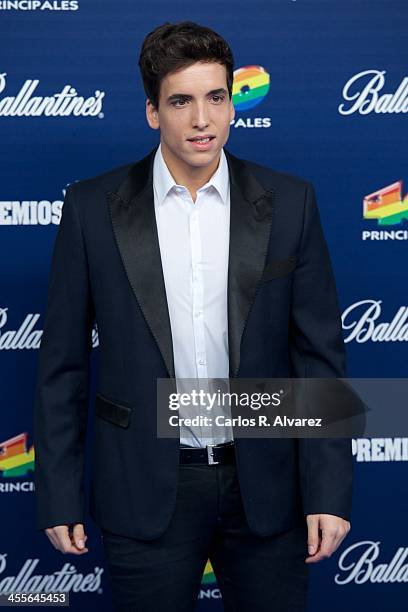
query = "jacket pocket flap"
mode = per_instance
[
  {"x": 278, "y": 267},
  {"x": 118, "y": 414}
]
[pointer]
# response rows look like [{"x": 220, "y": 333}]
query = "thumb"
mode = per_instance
[
  {"x": 313, "y": 533},
  {"x": 78, "y": 535}
]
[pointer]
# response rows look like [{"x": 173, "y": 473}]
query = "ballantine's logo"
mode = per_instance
[
  {"x": 62, "y": 104},
  {"x": 362, "y": 93},
  {"x": 26, "y": 337},
  {"x": 15, "y": 459},
  {"x": 62, "y": 581},
  {"x": 363, "y": 326},
  {"x": 363, "y": 569}
]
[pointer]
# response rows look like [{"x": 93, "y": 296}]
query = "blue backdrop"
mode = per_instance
[{"x": 332, "y": 108}]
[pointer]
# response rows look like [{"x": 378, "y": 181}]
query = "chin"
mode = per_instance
[
  {"x": 202, "y": 158},
  {"x": 204, "y": 162}
]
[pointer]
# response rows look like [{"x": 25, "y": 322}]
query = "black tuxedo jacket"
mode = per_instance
[{"x": 283, "y": 321}]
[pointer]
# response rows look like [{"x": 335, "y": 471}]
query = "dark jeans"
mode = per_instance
[{"x": 254, "y": 574}]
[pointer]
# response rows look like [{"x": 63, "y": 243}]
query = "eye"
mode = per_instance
[
  {"x": 218, "y": 99},
  {"x": 179, "y": 102}
]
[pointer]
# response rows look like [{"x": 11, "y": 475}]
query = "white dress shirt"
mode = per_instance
[{"x": 194, "y": 248}]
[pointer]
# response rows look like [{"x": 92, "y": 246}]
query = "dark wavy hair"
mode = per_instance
[{"x": 173, "y": 46}]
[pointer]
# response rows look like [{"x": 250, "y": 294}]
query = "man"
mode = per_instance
[{"x": 194, "y": 264}]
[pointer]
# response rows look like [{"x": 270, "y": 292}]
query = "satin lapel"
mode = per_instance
[
  {"x": 134, "y": 225},
  {"x": 250, "y": 226}
]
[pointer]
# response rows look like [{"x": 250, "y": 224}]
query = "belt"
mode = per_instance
[{"x": 212, "y": 454}]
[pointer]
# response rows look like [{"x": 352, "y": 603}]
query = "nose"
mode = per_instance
[{"x": 200, "y": 116}]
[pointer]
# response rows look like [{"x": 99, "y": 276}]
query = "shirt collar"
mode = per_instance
[{"x": 163, "y": 181}]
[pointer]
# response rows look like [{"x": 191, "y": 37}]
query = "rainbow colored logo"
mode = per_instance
[
  {"x": 251, "y": 84},
  {"x": 15, "y": 459},
  {"x": 208, "y": 575},
  {"x": 386, "y": 205}
]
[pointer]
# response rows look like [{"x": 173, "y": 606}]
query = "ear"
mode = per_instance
[
  {"x": 232, "y": 111},
  {"x": 152, "y": 115}
]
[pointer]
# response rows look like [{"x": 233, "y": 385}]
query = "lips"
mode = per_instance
[
  {"x": 207, "y": 138},
  {"x": 203, "y": 145}
]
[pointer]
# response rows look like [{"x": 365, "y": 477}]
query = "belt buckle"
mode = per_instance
[{"x": 210, "y": 454}]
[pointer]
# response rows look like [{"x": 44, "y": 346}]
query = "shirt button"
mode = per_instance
[
  {"x": 201, "y": 361},
  {"x": 198, "y": 313}
]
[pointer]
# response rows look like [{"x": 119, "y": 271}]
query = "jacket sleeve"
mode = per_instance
[
  {"x": 62, "y": 386},
  {"x": 317, "y": 351}
]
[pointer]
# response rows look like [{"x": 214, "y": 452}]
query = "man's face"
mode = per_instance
[{"x": 193, "y": 102}]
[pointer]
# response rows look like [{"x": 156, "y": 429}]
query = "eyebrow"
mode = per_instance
[{"x": 213, "y": 92}]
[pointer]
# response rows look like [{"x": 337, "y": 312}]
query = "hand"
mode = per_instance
[
  {"x": 334, "y": 529},
  {"x": 67, "y": 542}
]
